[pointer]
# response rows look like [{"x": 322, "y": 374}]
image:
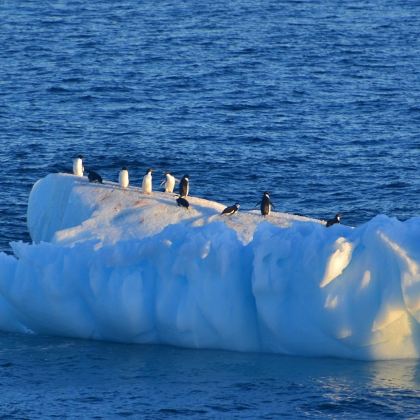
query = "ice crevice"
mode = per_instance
[{"x": 113, "y": 264}]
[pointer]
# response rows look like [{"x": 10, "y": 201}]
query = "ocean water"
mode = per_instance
[
  {"x": 57, "y": 377},
  {"x": 317, "y": 102}
]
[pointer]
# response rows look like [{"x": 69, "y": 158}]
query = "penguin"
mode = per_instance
[
  {"x": 169, "y": 182},
  {"x": 123, "y": 178},
  {"x": 231, "y": 209},
  {"x": 147, "y": 182},
  {"x": 331, "y": 222},
  {"x": 182, "y": 202},
  {"x": 184, "y": 186},
  {"x": 78, "y": 168},
  {"x": 94, "y": 177},
  {"x": 266, "y": 204}
]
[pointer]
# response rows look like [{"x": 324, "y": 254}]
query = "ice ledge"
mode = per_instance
[{"x": 67, "y": 209}]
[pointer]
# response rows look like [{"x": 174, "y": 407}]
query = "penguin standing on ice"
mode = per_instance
[
  {"x": 94, "y": 177},
  {"x": 169, "y": 182},
  {"x": 78, "y": 166},
  {"x": 266, "y": 204},
  {"x": 182, "y": 202},
  {"x": 184, "y": 186},
  {"x": 231, "y": 209},
  {"x": 336, "y": 219},
  {"x": 147, "y": 182},
  {"x": 123, "y": 178}
]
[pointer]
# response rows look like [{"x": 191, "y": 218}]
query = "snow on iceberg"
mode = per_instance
[{"x": 115, "y": 264}]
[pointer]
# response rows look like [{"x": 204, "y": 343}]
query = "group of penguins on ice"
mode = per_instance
[{"x": 184, "y": 187}]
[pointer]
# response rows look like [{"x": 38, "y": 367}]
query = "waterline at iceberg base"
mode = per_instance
[{"x": 113, "y": 264}]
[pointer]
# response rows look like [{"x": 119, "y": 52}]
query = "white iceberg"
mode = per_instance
[{"x": 114, "y": 264}]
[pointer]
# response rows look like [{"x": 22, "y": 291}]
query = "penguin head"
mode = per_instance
[
  {"x": 149, "y": 171},
  {"x": 237, "y": 205},
  {"x": 265, "y": 193},
  {"x": 338, "y": 216},
  {"x": 79, "y": 157},
  {"x": 124, "y": 168}
]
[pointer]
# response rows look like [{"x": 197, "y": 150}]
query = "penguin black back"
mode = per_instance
[
  {"x": 184, "y": 186},
  {"x": 94, "y": 177},
  {"x": 182, "y": 202},
  {"x": 336, "y": 219},
  {"x": 265, "y": 204},
  {"x": 231, "y": 209}
]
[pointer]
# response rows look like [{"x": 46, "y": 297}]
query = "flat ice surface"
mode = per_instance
[{"x": 118, "y": 265}]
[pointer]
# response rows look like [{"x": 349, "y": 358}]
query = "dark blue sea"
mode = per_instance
[{"x": 317, "y": 102}]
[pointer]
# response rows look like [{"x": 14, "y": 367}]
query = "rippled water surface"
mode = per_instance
[
  {"x": 316, "y": 102},
  {"x": 55, "y": 377}
]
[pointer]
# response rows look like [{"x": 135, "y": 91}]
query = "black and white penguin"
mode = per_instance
[
  {"x": 123, "y": 178},
  {"x": 182, "y": 202},
  {"x": 231, "y": 209},
  {"x": 147, "y": 182},
  {"x": 184, "y": 186},
  {"x": 336, "y": 219},
  {"x": 266, "y": 204},
  {"x": 78, "y": 165},
  {"x": 94, "y": 177},
  {"x": 169, "y": 182}
]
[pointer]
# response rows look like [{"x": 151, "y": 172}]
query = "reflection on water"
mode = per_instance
[
  {"x": 395, "y": 374},
  {"x": 40, "y": 374}
]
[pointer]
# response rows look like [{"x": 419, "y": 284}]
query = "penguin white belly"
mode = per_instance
[
  {"x": 147, "y": 184},
  {"x": 169, "y": 184},
  {"x": 77, "y": 167},
  {"x": 123, "y": 179}
]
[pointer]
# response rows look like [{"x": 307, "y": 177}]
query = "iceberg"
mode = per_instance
[{"x": 119, "y": 265}]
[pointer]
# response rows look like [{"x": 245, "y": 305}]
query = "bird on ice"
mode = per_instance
[
  {"x": 336, "y": 219},
  {"x": 266, "y": 204},
  {"x": 231, "y": 209},
  {"x": 123, "y": 178},
  {"x": 147, "y": 182},
  {"x": 169, "y": 182},
  {"x": 94, "y": 177},
  {"x": 78, "y": 166},
  {"x": 182, "y": 202},
  {"x": 184, "y": 186}
]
